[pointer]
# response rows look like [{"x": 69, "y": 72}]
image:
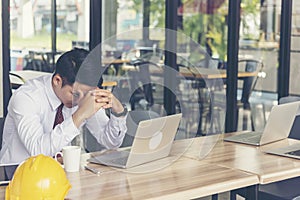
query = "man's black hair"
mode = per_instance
[
  {"x": 69, "y": 63},
  {"x": 81, "y": 66}
]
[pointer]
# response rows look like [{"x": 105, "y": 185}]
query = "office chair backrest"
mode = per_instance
[
  {"x": 133, "y": 119},
  {"x": 15, "y": 80},
  {"x": 2, "y": 119},
  {"x": 288, "y": 99},
  {"x": 249, "y": 83},
  {"x": 294, "y": 133},
  {"x": 90, "y": 143},
  {"x": 140, "y": 80}
]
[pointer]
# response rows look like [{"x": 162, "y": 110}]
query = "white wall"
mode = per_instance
[{"x": 1, "y": 66}]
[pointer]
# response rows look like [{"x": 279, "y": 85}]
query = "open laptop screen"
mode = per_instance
[{"x": 295, "y": 130}]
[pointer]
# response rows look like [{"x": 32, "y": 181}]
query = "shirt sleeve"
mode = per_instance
[
  {"x": 36, "y": 137},
  {"x": 109, "y": 132}
]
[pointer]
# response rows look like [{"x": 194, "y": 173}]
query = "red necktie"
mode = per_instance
[{"x": 59, "y": 118}]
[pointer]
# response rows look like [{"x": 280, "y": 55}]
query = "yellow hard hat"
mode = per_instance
[{"x": 39, "y": 177}]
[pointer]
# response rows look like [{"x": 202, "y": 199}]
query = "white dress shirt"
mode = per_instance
[{"x": 28, "y": 128}]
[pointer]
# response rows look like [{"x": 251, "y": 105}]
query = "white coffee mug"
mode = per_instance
[{"x": 71, "y": 158}]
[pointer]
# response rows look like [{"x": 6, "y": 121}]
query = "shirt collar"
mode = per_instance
[{"x": 54, "y": 101}]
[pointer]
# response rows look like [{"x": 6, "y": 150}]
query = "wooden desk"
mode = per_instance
[
  {"x": 214, "y": 80},
  {"x": 112, "y": 61},
  {"x": 204, "y": 73},
  {"x": 227, "y": 166},
  {"x": 116, "y": 63},
  {"x": 184, "y": 179},
  {"x": 247, "y": 158}
]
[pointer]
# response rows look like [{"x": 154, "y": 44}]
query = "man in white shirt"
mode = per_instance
[{"x": 28, "y": 128}]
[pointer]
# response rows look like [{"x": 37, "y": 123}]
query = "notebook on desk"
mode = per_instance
[
  {"x": 278, "y": 126},
  {"x": 153, "y": 140}
]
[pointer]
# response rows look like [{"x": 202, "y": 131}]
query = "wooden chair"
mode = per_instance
[
  {"x": 109, "y": 85},
  {"x": 140, "y": 84},
  {"x": 140, "y": 81},
  {"x": 248, "y": 84}
]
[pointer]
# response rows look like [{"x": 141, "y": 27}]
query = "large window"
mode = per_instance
[
  {"x": 259, "y": 38},
  {"x": 131, "y": 29},
  {"x": 32, "y": 36},
  {"x": 295, "y": 50}
]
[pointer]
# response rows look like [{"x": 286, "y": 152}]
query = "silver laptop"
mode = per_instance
[
  {"x": 153, "y": 140},
  {"x": 278, "y": 126},
  {"x": 293, "y": 150}
]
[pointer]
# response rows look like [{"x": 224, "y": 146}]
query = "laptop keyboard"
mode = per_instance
[
  {"x": 120, "y": 161},
  {"x": 253, "y": 137},
  {"x": 116, "y": 157}
]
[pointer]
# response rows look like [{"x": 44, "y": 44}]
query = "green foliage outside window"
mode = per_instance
[{"x": 209, "y": 30}]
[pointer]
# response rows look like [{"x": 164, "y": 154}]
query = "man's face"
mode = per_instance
[
  {"x": 79, "y": 90},
  {"x": 70, "y": 95}
]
